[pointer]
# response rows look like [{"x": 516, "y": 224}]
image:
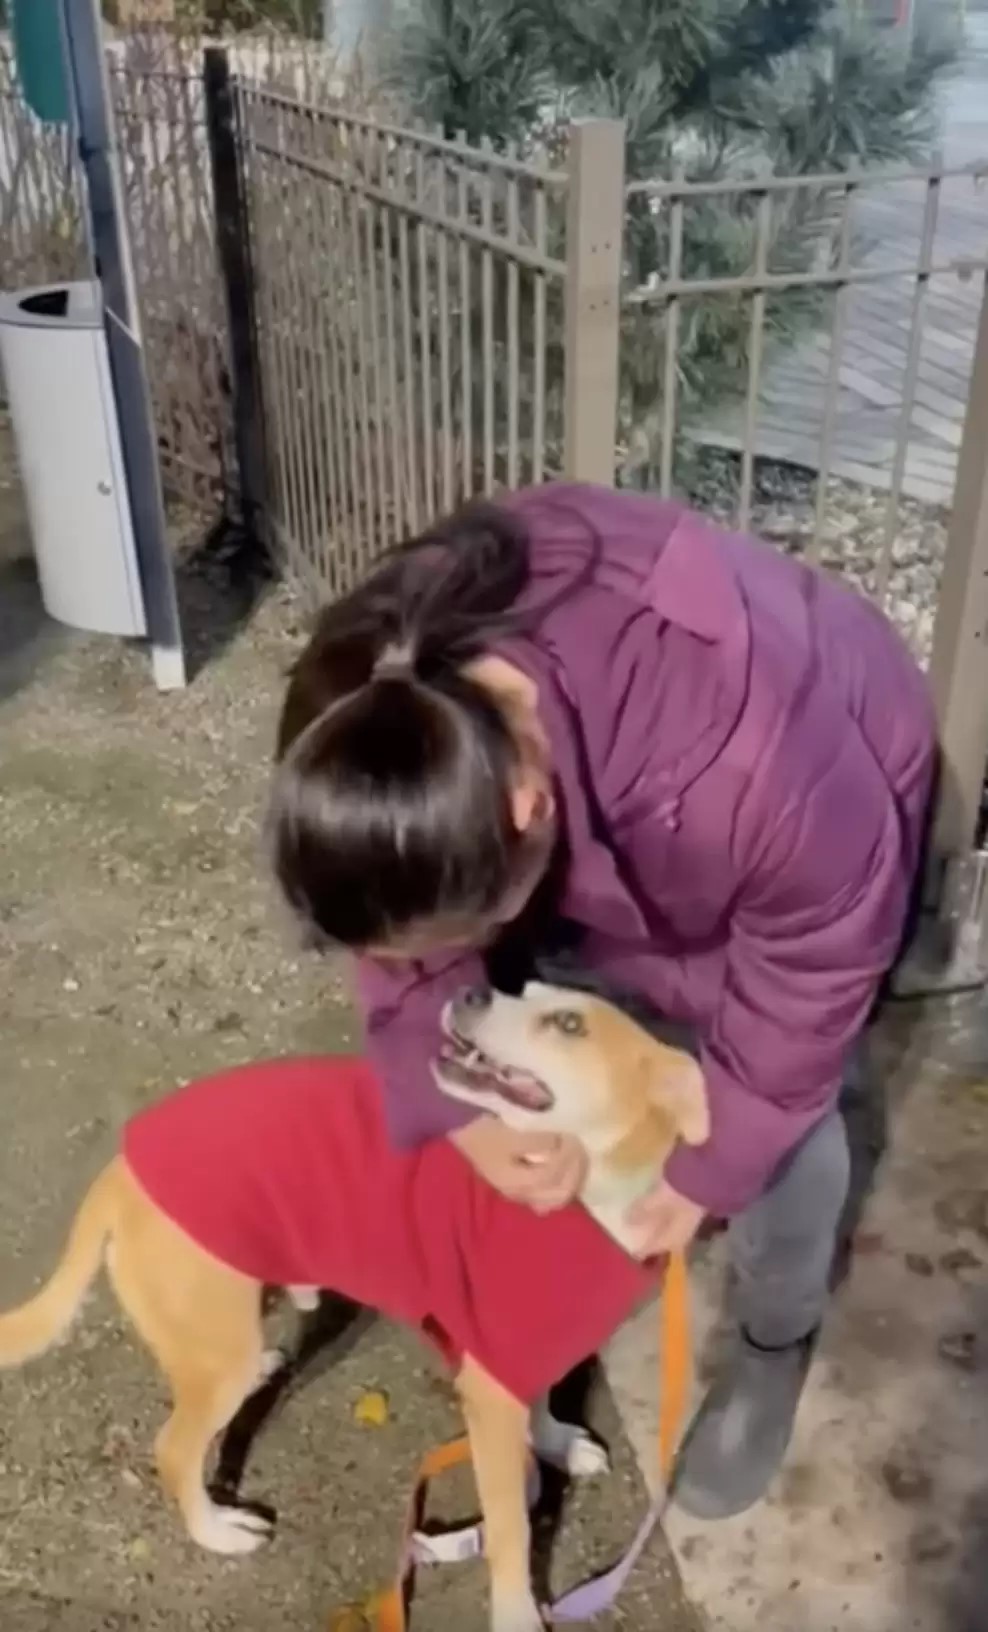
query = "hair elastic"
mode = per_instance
[{"x": 395, "y": 661}]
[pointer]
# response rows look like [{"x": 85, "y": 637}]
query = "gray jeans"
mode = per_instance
[{"x": 782, "y": 1247}]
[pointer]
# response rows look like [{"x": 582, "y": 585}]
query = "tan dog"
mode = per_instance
[
  {"x": 567, "y": 1062},
  {"x": 562, "y": 1059}
]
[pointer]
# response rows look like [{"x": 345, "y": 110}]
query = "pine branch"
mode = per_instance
[{"x": 743, "y": 88}]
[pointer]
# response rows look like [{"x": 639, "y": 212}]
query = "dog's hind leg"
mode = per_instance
[
  {"x": 203, "y": 1406},
  {"x": 565, "y": 1446},
  {"x": 497, "y": 1424},
  {"x": 202, "y": 1323}
]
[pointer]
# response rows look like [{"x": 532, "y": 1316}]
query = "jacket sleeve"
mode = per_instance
[
  {"x": 401, "y": 1004},
  {"x": 817, "y": 924}
]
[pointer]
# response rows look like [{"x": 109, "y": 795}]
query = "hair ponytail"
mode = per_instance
[
  {"x": 435, "y": 597},
  {"x": 392, "y": 801}
]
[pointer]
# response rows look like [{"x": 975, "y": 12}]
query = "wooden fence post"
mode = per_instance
[
  {"x": 594, "y": 250},
  {"x": 959, "y": 663},
  {"x": 233, "y": 249}
]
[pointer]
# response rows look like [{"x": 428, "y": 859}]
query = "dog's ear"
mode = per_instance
[{"x": 676, "y": 1087}]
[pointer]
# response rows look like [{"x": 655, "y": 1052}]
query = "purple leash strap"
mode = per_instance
[
  {"x": 582, "y": 1603},
  {"x": 592, "y": 1597}
]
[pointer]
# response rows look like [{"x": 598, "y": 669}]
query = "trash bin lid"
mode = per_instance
[{"x": 76, "y": 305}]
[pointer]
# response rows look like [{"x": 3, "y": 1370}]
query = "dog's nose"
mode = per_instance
[{"x": 476, "y": 998}]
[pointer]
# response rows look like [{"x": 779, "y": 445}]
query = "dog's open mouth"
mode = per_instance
[{"x": 466, "y": 1066}]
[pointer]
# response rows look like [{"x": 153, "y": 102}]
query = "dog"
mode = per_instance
[
  {"x": 283, "y": 1174},
  {"x": 567, "y": 1062}
]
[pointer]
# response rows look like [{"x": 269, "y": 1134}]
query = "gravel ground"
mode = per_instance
[
  {"x": 138, "y": 947},
  {"x": 852, "y": 535}
]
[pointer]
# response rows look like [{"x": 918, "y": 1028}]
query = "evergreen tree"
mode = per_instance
[{"x": 708, "y": 88}]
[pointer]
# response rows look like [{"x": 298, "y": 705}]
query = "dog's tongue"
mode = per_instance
[{"x": 470, "y": 1068}]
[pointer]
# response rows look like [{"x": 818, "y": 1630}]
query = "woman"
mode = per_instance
[{"x": 592, "y": 719}]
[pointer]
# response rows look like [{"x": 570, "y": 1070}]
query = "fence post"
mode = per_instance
[
  {"x": 594, "y": 248},
  {"x": 233, "y": 249},
  {"x": 959, "y": 662},
  {"x": 95, "y": 134}
]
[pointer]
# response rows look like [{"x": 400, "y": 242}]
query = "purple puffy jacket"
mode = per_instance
[{"x": 744, "y": 752}]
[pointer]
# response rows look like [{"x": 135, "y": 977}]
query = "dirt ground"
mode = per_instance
[{"x": 139, "y": 946}]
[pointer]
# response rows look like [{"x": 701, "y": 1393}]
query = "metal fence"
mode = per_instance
[
  {"x": 158, "y": 93},
  {"x": 886, "y": 394},
  {"x": 160, "y": 112},
  {"x": 380, "y": 322},
  {"x": 157, "y": 96},
  {"x": 40, "y": 193},
  {"x": 434, "y": 321},
  {"x": 408, "y": 305}
]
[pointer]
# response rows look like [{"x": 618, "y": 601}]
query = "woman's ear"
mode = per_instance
[
  {"x": 676, "y": 1087},
  {"x": 531, "y": 804}
]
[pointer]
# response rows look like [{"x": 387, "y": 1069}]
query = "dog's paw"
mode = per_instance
[
  {"x": 232, "y": 1530},
  {"x": 516, "y": 1614}
]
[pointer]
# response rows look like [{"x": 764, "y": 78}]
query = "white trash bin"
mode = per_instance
[{"x": 57, "y": 376}]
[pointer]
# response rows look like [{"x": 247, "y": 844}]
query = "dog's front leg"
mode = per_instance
[{"x": 497, "y": 1424}]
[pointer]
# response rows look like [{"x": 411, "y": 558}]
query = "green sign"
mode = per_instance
[{"x": 38, "y": 53}]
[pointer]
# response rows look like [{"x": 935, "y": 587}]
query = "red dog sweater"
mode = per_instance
[{"x": 284, "y": 1171}]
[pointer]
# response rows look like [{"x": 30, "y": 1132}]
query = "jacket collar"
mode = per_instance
[{"x": 692, "y": 587}]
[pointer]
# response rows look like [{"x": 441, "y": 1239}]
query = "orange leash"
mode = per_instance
[
  {"x": 675, "y": 1361},
  {"x": 387, "y": 1611}
]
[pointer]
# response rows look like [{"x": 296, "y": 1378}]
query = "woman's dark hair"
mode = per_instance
[{"x": 391, "y": 804}]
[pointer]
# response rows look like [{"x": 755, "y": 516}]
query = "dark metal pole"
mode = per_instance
[
  {"x": 111, "y": 249},
  {"x": 233, "y": 247}
]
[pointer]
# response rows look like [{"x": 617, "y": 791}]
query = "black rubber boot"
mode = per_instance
[{"x": 741, "y": 1431}]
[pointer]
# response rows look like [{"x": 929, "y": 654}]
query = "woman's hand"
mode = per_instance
[
  {"x": 667, "y": 1221},
  {"x": 543, "y": 1171}
]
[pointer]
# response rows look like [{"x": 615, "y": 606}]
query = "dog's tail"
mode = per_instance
[{"x": 37, "y": 1324}]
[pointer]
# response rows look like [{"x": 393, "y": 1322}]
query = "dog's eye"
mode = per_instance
[{"x": 569, "y": 1021}]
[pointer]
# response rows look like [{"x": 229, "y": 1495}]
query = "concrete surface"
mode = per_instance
[
  {"x": 879, "y": 1519},
  {"x": 138, "y": 947},
  {"x": 887, "y": 224}
]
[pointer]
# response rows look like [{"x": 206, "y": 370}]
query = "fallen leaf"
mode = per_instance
[
  {"x": 372, "y": 1410},
  {"x": 961, "y": 1261},
  {"x": 349, "y": 1619},
  {"x": 919, "y": 1264}
]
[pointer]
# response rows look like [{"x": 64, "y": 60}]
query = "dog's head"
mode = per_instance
[{"x": 565, "y": 1061}]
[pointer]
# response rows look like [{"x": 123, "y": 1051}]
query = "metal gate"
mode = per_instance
[{"x": 423, "y": 321}]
